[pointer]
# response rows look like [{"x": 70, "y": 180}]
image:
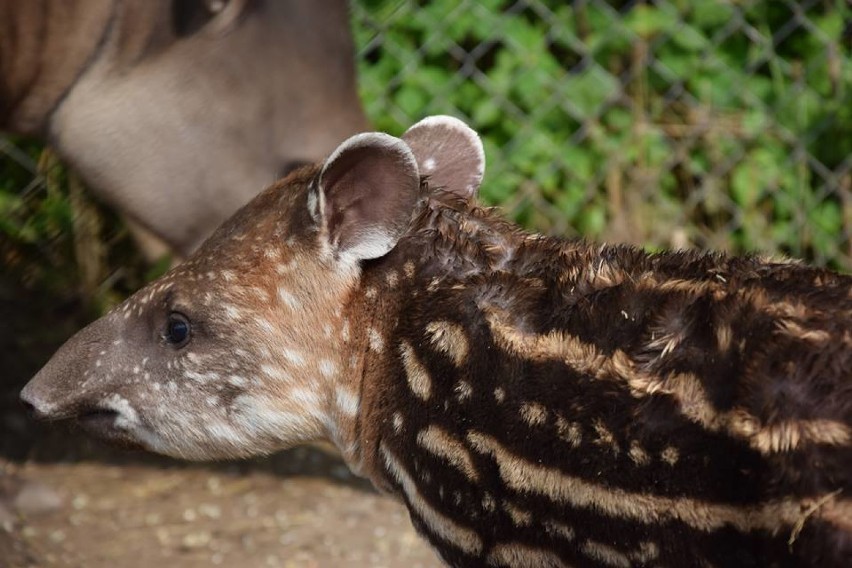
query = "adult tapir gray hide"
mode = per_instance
[{"x": 177, "y": 112}]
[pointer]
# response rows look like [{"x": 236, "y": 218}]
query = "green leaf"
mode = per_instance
[{"x": 647, "y": 21}]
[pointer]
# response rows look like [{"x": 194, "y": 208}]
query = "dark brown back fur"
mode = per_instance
[{"x": 655, "y": 408}]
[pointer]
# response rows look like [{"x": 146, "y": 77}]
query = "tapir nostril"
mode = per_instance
[
  {"x": 34, "y": 409},
  {"x": 31, "y": 409}
]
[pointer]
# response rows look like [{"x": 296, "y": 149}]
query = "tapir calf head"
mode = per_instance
[{"x": 244, "y": 348}]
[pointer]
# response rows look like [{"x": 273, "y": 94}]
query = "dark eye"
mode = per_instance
[{"x": 177, "y": 330}]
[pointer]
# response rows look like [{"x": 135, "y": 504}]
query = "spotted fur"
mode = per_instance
[{"x": 534, "y": 401}]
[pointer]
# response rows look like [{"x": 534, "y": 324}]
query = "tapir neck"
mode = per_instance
[{"x": 437, "y": 268}]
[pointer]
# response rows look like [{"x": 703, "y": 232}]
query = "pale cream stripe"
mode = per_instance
[
  {"x": 685, "y": 388},
  {"x": 418, "y": 376},
  {"x": 605, "y": 554},
  {"x": 611, "y": 556},
  {"x": 439, "y": 442},
  {"x": 515, "y": 555},
  {"x": 463, "y": 538},
  {"x": 449, "y": 338},
  {"x": 772, "y": 516},
  {"x": 796, "y": 330}
]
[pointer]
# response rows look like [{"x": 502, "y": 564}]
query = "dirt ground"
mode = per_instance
[{"x": 67, "y": 501}]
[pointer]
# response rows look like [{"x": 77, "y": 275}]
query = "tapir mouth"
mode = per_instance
[
  {"x": 97, "y": 419},
  {"x": 104, "y": 423}
]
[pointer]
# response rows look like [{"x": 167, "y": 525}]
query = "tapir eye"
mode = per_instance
[{"x": 177, "y": 330}]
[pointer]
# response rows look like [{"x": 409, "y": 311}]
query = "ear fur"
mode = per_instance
[
  {"x": 367, "y": 191},
  {"x": 449, "y": 153}
]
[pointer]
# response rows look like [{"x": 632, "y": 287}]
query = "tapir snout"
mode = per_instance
[{"x": 72, "y": 384}]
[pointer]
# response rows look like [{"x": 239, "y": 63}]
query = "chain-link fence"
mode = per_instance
[
  {"x": 722, "y": 124},
  {"x": 712, "y": 123}
]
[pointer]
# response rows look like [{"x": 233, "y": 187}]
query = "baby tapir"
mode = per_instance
[{"x": 534, "y": 401}]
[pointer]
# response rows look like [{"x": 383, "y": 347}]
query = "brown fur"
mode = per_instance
[
  {"x": 626, "y": 345},
  {"x": 534, "y": 401}
]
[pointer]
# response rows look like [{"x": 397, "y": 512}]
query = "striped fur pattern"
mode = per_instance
[
  {"x": 555, "y": 403},
  {"x": 536, "y": 402}
]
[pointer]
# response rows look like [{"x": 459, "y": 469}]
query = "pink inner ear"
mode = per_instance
[
  {"x": 370, "y": 185},
  {"x": 449, "y": 154}
]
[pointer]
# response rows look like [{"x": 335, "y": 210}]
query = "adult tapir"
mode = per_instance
[{"x": 177, "y": 112}]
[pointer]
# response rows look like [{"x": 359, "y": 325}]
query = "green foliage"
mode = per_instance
[
  {"x": 50, "y": 233},
  {"x": 709, "y": 122},
  {"x": 726, "y": 122}
]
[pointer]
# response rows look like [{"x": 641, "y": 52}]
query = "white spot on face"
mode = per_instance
[
  {"x": 274, "y": 372},
  {"x": 265, "y": 325},
  {"x": 127, "y": 417},
  {"x": 327, "y": 368},
  {"x": 289, "y": 299},
  {"x": 260, "y": 418},
  {"x": 237, "y": 381},
  {"x": 377, "y": 344},
  {"x": 294, "y": 357},
  {"x": 370, "y": 292},
  {"x": 231, "y": 312},
  {"x": 201, "y": 377},
  {"x": 306, "y": 400},
  {"x": 429, "y": 165},
  {"x": 272, "y": 254},
  {"x": 347, "y": 401}
]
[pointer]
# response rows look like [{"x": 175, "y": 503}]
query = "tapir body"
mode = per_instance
[
  {"x": 533, "y": 401},
  {"x": 178, "y": 112}
]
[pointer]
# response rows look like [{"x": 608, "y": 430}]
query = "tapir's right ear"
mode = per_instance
[
  {"x": 449, "y": 153},
  {"x": 365, "y": 195}
]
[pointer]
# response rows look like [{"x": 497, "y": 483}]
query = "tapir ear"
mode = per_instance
[
  {"x": 449, "y": 153},
  {"x": 367, "y": 191}
]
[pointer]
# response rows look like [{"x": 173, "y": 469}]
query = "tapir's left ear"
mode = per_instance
[
  {"x": 449, "y": 154},
  {"x": 367, "y": 192}
]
